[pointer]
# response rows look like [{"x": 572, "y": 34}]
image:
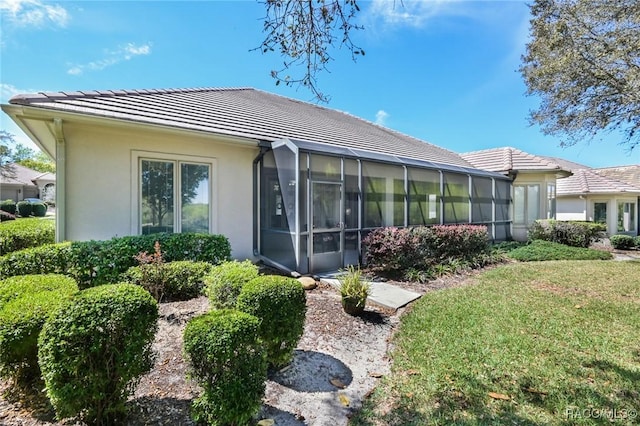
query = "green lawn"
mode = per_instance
[{"x": 549, "y": 343}]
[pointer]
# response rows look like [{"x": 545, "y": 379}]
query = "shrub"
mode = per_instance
[
  {"x": 540, "y": 250},
  {"x": 39, "y": 209},
  {"x": 440, "y": 243},
  {"x": 46, "y": 259},
  {"x": 8, "y": 206},
  {"x": 94, "y": 349},
  {"x": 182, "y": 280},
  {"x": 390, "y": 249},
  {"x": 227, "y": 360},
  {"x": 572, "y": 233},
  {"x": 5, "y": 217},
  {"x": 25, "y": 233},
  {"x": 280, "y": 303},
  {"x": 25, "y": 303},
  {"x": 636, "y": 241},
  {"x": 622, "y": 242},
  {"x": 24, "y": 208},
  {"x": 225, "y": 281}
]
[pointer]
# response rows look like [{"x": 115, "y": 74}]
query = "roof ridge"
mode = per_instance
[
  {"x": 54, "y": 96},
  {"x": 614, "y": 180}
]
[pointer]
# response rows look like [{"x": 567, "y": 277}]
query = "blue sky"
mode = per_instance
[{"x": 443, "y": 71}]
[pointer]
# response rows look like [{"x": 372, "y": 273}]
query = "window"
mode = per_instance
[
  {"x": 174, "y": 196},
  {"x": 551, "y": 201},
  {"x": 424, "y": 197},
  {"x": 482, "y": 200},
  {"x": 456, "y": 198},
  {"x": 526, "y": 204},
  {"x": 600, "y": 213},
  {"x": 626, "y": 217},
  {"x": 383, "y": 195}
]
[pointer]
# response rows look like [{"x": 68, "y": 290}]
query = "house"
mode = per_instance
[
  {"x": 294, "y": 184},
  {"x": 606, "y": 195},
  {"x": 18, "y": 182},
  {"x": 535, "y": 183}
]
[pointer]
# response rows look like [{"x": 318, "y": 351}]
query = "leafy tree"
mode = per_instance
[
  {"x": 304, "y": 33},
  {"x": 13, "y": 152},
  {"x": 6, "y": 141},
  {"x": 583, "y": 61}
]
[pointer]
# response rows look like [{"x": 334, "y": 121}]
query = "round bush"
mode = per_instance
[
  {"x": 228, "y": 361},
  {"x": 280, "y": 303},
  {"x": 8, "y": 206},
  {"x": 224, "y": 282},
  {"x": 39, "y": 209},
  {"x": 622, "y": 242},
  {"x": 93, "y": 351},
  {"x": 182, "y": 280},
  {"x": 24, "y": 208},
  {"x": 25, "y": 303}
]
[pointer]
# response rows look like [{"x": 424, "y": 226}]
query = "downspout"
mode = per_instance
[
  {"x": 61, "y": 179},
  {"x": 256, "y": 199}
]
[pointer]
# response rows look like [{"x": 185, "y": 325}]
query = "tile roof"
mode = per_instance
[
  {"x": 627, "y": 174},
  {"x": 591, "y": 181},
  {"x": 16, "y": 174},
  {"x": 242, "y": 112},
  {"x": 508, "y": 159}
]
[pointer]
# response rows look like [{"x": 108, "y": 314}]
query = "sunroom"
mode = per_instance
[{"x": 314, "y": 203}]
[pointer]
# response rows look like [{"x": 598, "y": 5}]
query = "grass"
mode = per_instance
[
  {"x": 553, "y": 343},
  {"x": 539, "y": 250}
]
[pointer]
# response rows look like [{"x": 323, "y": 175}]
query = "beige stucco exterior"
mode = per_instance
[
  {"x": 93, "y": 154},
  {"x": 582, "y": 208}
]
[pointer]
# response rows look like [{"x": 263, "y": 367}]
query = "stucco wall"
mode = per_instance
[
  {"x": 571, "y": 208},
  {"x": 519, "y": 231},
  {"x": 101, "y": 195}
]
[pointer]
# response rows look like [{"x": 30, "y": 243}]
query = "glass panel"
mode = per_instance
[
  {"x": 351, "y": 248},
  {"x": 533, "y": 203},
  {"x": 519, "y": 204},
  {"x": 326, "y": 242},
  {"x": 383, "y": 195},
  {"x": 626, "y": 217},
  {"x": 600, "y": 213},
  {"x": 456, "y": 198},
  {"x": 482, "y": 199},
  {"x": 194, "y": 180},
  {"x": 424, "y": 197},
  {"x": 326, "y": 205},
  {"x": 551, "y": 201},
  {"x": 325, "y": 168},
  {"x": 352, "y": 194},
  {"x": 157, "y": 192},
  {"x": 303, "y": 193},
  {"x": 503, "y": 200}
]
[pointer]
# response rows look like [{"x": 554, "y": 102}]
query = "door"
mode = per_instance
[{"x": 327, "y": 240}]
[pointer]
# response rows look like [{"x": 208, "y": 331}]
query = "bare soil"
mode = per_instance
[{"x": 337, "y": 363}]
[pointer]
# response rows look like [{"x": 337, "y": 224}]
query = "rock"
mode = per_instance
[{"x": 308, "y": 283}]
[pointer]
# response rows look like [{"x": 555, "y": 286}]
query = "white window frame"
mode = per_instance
[
  {"x": 527, "y": 203},
  {"x": 136, "y": 198}
]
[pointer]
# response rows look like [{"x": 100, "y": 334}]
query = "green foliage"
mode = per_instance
[
  {"x": 46, "y": 259},
  {"x": 622, "y": 242},
  {"x": 8, "y": 206},
  {"x": 540, "y": 250},
  {"x": 24, "y": 208},
  {"x": 25, "y": 233},
  {"x": 354, "y": 290},
  {"x": 93, "y": 351},
  {"x": 581, "y": 61},
  {"x": 94, "y": 263},
  {"x": 182, "y": 280},
  {"x": 636, "y": 241},
  {"x": 280, "y": 303},
  {"x": 228, "y": 361},
  {"x": 39, "y": 209},
  {"x": 25, "y": 303},
  {"x": 572, "y": 233},
  {"x": 225, "y": 281}
]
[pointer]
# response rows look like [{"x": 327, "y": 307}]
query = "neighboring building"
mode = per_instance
[
  {"x": 18, "y": 182},
  {"x": 606, "y": 195},
  {"x": 535, "y": 179},
  {"x": 293, "y": 183}
]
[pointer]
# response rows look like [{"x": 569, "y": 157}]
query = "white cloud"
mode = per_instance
[
  {"x": 34, "y": 13},
  {"x": 413, "y": 13},
  {"x": 122, "y": 53},
  {"x": 7, "y": 91},
  {"x": 381, "y": 117}
]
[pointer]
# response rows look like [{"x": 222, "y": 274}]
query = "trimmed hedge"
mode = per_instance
[
  {"x": 622, "y": 242},
  {"x": 24, "y": 208},
  {"x": 94, "y": 350},
  {"x": 182, "y": 280},
  {"x": 26, "y": 233},
  {"x": 570, "y": 233},
  {"x": 94, "y": 263},
  {"x": 8, "y": 206},
  {"x": 540, "y": 250},
  {"x": 280, "y": 303},
  {"x": 228, "y": 361},
  {"x": 39, "y": 209},
  {"x": 25, "y": 303},
  {"x": 225, "y": 281}
]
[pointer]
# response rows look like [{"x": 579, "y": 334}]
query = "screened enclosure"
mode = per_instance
[{"x": 315, "y": 203}]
